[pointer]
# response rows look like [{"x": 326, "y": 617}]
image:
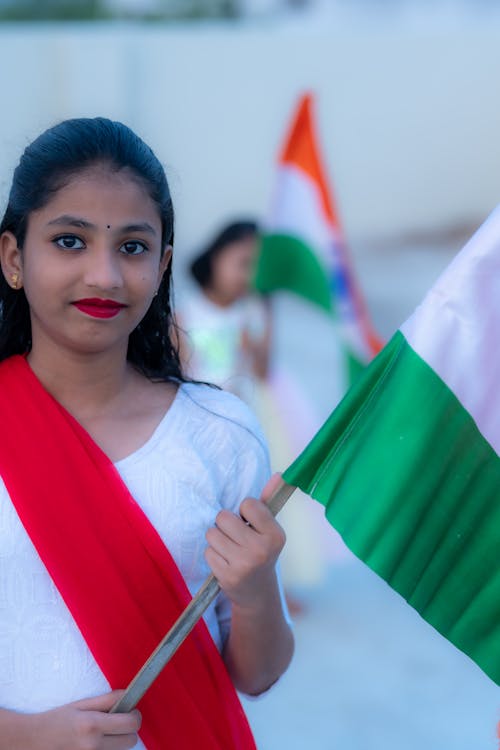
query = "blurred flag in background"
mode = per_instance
[
  {"x": 303, "y": 252},
  {"x": 303, "y": 249}
]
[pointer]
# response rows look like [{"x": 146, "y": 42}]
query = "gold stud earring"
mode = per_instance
[{"x": 15, "y": 278}]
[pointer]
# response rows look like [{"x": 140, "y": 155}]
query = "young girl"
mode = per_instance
[
  {"x": 114, "y": 470},
  {"x": 228, "y": 327}
]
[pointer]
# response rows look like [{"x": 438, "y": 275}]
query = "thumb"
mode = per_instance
[
  {"x": 100, "y": 703},
  {"x": 272, "y": 485}
]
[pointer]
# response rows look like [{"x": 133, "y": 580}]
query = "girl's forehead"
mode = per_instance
[
  {"x": 101, "y": 188},
  {"x": 106, "y": 177}
]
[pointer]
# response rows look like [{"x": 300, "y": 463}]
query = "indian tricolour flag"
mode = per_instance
[
  {"x": 303, "y": 250},
  {"x": 408, "y": 465}
]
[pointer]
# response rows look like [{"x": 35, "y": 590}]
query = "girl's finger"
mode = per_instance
[
  {"x": 125, "y": 742},
  {"x": 222, "y": 543},
  {"x": 120, "y": 724},
  {"x": 271, "y": 486},
  {"x": 217, "y": 563},
  {"x": 258, "y": 515},
  {"x": 100, "y": 702},
  {"x": 233, "y": 526}
]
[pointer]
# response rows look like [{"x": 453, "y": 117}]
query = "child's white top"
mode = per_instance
[
  {"x": 207, "y": 453},
  {"x": 215, "y": 348}
]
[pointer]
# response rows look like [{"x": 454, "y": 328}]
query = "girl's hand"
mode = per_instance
[
  {"x": 242, "y": 553},
  {"x": 243, "y": 549},
  {"x": 83, "y": 725}
]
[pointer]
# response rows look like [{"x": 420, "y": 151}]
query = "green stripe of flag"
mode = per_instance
[
  {"x": 413, "y": 488},
  {"x": 285, "y": 262},
  {"x": 289, "y": 264}
]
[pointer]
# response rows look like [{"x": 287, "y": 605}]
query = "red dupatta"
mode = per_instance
[{"x": 112, "y": 569}]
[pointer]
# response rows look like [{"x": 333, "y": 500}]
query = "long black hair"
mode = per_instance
[
  {"x": 202, "y": 266},
  {"x": 46, "y": 165}
]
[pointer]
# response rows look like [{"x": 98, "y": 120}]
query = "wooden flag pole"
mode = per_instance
[{"x": 185, "y": 623}]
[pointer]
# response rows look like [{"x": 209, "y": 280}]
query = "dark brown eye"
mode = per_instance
[
  {"x": 134, "y": 247},
  {"x": 69, "y": 242}
]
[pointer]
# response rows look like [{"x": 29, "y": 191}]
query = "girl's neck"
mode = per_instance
[{"x": 85, "y": 384}]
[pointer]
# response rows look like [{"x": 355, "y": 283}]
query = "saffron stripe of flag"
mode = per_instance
[
  {"x": 408, "y": 465},
  {"x": 303, "y": 249}
]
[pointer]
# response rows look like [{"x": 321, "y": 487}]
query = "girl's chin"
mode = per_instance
[{"x": 94, "y": 345}]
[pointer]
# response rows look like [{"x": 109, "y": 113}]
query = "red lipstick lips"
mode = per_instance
[{"x": 99, "y": 308}]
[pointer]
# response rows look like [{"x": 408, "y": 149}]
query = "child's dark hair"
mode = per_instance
[
  {"x": 45, "y": 167},
  {"x": 201, "y": 267}
]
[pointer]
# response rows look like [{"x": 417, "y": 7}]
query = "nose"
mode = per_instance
[{"x": 103, "y": 269}]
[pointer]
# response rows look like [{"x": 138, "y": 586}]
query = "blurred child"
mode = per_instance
[{"x": 227, "y": 325}]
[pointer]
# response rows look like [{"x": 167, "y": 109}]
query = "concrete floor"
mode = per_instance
[{"x": 370, "y": 674}]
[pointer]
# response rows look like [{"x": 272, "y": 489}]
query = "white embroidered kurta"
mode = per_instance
[{"x": 206, "y": 454}]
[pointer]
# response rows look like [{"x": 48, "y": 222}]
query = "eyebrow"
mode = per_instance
[
  {"x": 141, "y": 227},
  {"x": 76, "y": 221},
  {"x": 73, "y": 221}
]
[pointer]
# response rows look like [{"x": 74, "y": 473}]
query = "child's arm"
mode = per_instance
[
  {"x": 82, "y": 725},
  {"x": 257, "y": 344},
  {"x": 243, "y": 556}
]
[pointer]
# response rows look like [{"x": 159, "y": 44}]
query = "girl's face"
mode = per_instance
[
  {"x": 91, "y": 261},
  {"x": 232, "y": 269}
]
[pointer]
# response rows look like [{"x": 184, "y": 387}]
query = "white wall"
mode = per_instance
[{"x": 409, "y": 116}]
